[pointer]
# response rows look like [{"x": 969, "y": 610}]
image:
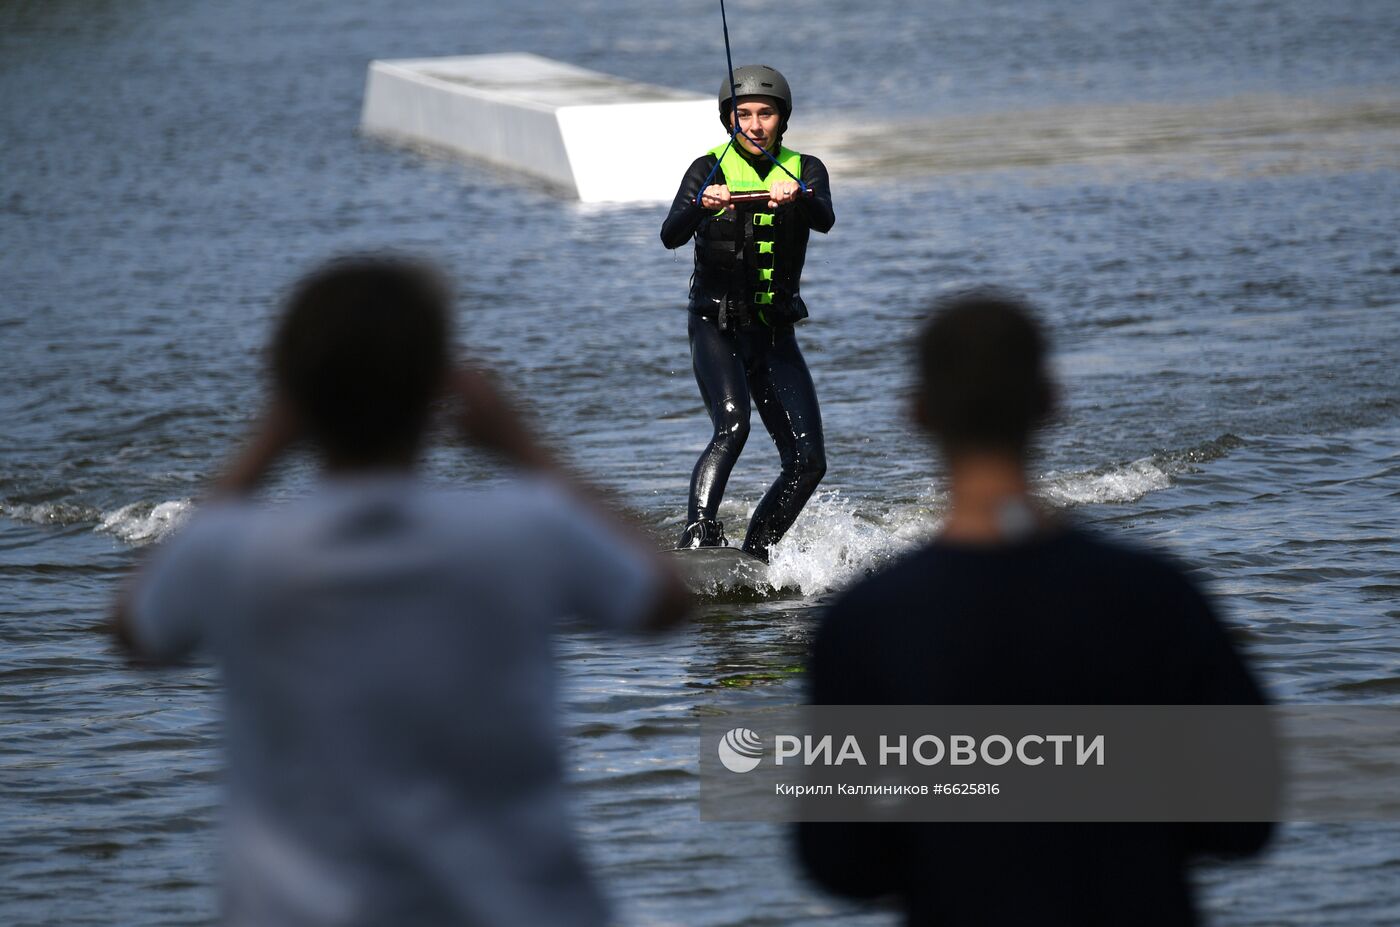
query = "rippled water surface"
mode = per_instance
[{"x": 1201, "y": 196}]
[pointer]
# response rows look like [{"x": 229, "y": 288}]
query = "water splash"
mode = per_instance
[
  {"x": 1129, "y": 482},
  {"x": 834, "y": 542},
  {"x": 137, "y": 523},
  {"x": 1126, "y": 483},
  {"x": 141, "y": 522},
  {"x": 49, "y": 513}
]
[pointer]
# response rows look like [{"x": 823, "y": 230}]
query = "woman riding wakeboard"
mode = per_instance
[{"x": 750, "y": 206}]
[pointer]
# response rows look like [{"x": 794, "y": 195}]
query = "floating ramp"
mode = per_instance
[{"x": 593, "y": 136}]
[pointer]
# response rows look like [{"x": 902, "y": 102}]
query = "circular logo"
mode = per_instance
[{"x": 740, "y": 750}]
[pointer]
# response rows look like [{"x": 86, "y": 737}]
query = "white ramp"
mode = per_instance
[{"x": 594, "y": 136}]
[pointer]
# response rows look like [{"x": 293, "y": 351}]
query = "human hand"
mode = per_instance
[
  {"x": 277, "y": 431},
  {"x": 488, "y": 419},
  {"x": 716, "y": 196},
  {"x": 782, "y": 192}
]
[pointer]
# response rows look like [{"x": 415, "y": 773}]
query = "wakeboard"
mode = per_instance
[{"x": 708, "y": 569}]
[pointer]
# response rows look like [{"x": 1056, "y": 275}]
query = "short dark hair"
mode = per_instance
[
  {"x": 361, "y": 352},
  {"x": 984, "y": 384}
]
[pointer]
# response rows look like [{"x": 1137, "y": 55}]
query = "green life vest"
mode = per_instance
[{"x": 740, "y": 177}]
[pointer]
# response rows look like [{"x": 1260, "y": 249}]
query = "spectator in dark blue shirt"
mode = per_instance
[{"x": 1009, "y": 605}]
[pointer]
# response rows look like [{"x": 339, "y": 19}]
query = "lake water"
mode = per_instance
[{"x": 1201, "y": 196}]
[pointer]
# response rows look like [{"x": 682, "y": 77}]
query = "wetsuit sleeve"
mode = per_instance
[
  {"x": 816, "y": 209},
  {"x": 684, "y": 217}
]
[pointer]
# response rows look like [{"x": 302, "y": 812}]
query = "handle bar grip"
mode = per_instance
[{"x": 759, "y": 196}]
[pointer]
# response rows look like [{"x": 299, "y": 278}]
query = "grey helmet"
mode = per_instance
[{"x": 756, "y": 80}]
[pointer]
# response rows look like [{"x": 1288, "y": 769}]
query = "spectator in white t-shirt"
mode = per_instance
[{"x": 386, "y": 646}]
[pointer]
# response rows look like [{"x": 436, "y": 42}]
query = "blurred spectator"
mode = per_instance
[
  {"x": 1011, "y": 606},
  {"x": 386, "y": 646}
]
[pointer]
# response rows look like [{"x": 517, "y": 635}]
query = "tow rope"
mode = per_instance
[{"x": 734, "y": 130}]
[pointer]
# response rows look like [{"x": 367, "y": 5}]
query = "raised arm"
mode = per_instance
[
  {"x": 817, "y": 209},
  {"x": 183, "y": 560},
  {"x": 684, "y": 217},
  {"x": 490, "y": 421}
]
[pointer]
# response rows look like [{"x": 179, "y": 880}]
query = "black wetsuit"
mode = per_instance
[{"x": 745, "y": 354}]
